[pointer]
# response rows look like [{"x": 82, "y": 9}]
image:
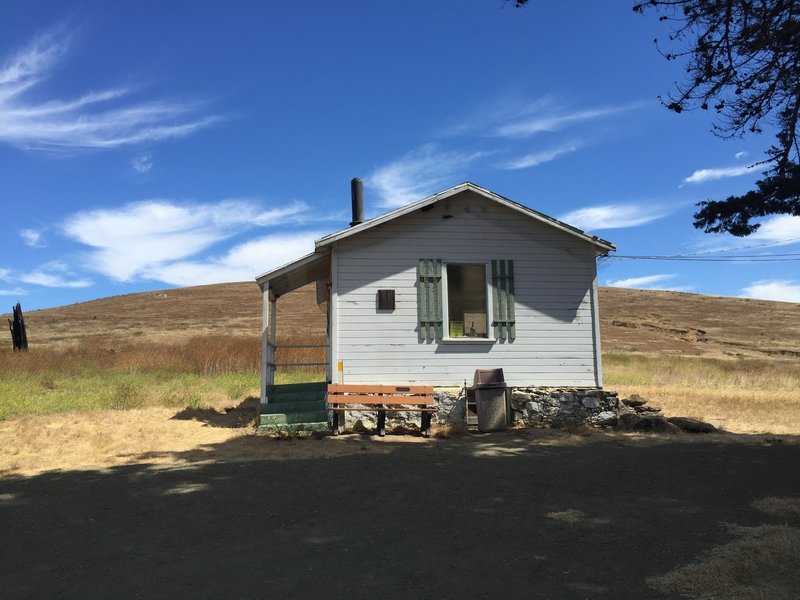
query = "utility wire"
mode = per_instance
[{"x": 733, "y": 258}]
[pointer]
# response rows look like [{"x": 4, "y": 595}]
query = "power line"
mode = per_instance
[
  {"x": 789, "y": 241},
  {"x": 732, "y": 258},
  {"x": 703, "y": 256}
]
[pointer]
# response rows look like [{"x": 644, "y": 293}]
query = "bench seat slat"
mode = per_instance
[
  {"x": 360, "y": 399},
  {"x": 358, "y": 388},
  {"x": 430, "y": 409}
]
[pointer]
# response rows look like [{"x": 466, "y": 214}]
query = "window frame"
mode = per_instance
[{"x": 487, "y": 272}]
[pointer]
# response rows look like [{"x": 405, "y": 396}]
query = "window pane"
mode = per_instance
[{"x": 466, "y": 300}]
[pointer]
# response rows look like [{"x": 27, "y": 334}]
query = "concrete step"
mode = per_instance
[
  {"x": 294, "y": 428},
  {"x": 315, "y": 416}
]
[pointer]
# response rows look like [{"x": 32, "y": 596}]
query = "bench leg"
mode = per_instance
[
  {"x": 426, "y": 424},
  {"x": 336, "y": 422},
  {"x": 381, "y": 423}
]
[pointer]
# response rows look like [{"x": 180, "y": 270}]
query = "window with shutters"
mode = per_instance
[{"x": 466, "y": 301}]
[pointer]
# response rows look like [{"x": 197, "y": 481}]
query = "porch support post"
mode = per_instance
[
  {"x": 268, "y": 323},
  {"x": 598, "y": 351}
]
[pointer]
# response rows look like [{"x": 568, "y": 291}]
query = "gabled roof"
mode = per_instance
[
  {"x": 316, "y": 266},
  {"x": 603, "y": 245}
]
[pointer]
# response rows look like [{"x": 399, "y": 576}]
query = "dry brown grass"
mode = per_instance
[
  {"x": 207, "y": 354},
  {"x": 172, "y": 316},
  {"x": 740, "y": 395},
  {"x": 210, "y": 354},
  {"x": 760, "y": 565},
  {"x": 680, "y": 324},
  {"x": 779, "y": 507}
]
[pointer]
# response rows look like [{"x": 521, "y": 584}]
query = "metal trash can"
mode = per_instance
[{"x": 491, "y": 400}]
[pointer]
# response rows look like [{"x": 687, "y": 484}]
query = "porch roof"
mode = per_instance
[{"x": 308, "y": 269}]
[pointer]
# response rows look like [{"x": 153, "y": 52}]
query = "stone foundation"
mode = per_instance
[
  {"x": 564, "y": 406},
  {"x": 527, "y": 406}
]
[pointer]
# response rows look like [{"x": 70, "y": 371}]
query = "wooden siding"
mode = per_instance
[{"x": 553, "y": 277}]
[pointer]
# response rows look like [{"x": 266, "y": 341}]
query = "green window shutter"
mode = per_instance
[
  {"x": 503, "y": 319},
  {"x": 429, "y": 298}
]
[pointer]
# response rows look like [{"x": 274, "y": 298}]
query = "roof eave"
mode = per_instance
[{"x": 603, "y": 245}]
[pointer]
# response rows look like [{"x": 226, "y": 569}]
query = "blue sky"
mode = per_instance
[{"x": 152, "y": 145}]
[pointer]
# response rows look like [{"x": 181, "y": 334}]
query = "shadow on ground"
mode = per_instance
[
  {"x": 479, "y": 517},
  {"x": 242, "y": 415}
]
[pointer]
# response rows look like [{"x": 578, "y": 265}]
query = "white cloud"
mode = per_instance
[
  {"x": 544, "y": 117},
  {"x": 783, "y": 229},
  {"x": 143, "y": 163},
  {"x": 703, "y": 175},
  {"x": 538, "y": 158},
  {"x": 242, "y": 263},
  {"x": 143, "y": 238},
  {"x": 612, "y": 216},
  {"x": 640, "y": 282},
  {"x": 32, "y": 238},
  {"x": 650, "y": 282},
  {"x": 94, "y": 120},
  {"x": 741, "y": 155},
  {"x": 418, "y": 174},
  {"x": 783, "y": 290},
  {"x": 54, "y": 274},
  {"x": 13, "y": 292}
]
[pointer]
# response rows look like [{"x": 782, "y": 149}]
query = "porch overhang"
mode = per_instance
[{"x": 308, "y": 269}]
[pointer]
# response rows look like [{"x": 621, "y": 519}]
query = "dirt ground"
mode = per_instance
[{"x": 190, "y": 505}]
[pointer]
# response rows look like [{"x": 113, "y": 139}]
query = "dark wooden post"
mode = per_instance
[{"x": 19, "y": 337}]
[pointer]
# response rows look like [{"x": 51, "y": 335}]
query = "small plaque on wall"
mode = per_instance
[{"x": 385, "y": 299}]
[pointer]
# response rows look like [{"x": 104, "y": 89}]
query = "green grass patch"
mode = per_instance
[
  {"x": 24, "y": 393},
  {"x": 44, "y": 392}
]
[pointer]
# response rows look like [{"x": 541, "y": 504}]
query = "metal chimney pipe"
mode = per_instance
[{"x": 357, "y": 195}]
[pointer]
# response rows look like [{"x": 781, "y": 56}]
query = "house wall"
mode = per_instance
[{"x": 554, "y": 273}]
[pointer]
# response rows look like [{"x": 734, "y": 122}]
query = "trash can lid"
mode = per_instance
[{"x": 485, "y": 376}]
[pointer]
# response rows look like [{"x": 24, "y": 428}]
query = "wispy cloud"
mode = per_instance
[
  {"x": 650, "y": 282},
  {"x": 613, "y": 216},
  {"x": 142, "y": 163},
  {"x": 780, "y": 230},
  {"x": 418, "y": 174},
  {"x": 54, "y": 274},
  {"x": 639, "y": 282},
  {"x": 144, "y": 239},
  {"x": 741, "y": 155},
  {"x": 32, "y": 238},
  {"x": 703, "y": 175},
  {"x": 242, "y": 263},
  {"x": 13, "y": 292},
  {"x": 783, "y": 229},
  {"x": 545, "y": 116},
  {"x": 537, "y": 158},
  {"x": 98, "y": 119},
  {"x": 784, "y": 290}
]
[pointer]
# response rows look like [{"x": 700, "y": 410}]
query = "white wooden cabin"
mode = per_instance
[{"x": 458, "y": 281}]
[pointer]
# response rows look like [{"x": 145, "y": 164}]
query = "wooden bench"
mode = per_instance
[{"x": 383, "y": 398}]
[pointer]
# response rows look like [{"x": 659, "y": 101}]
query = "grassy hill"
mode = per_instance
[{"x": 643, "y": 321}]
